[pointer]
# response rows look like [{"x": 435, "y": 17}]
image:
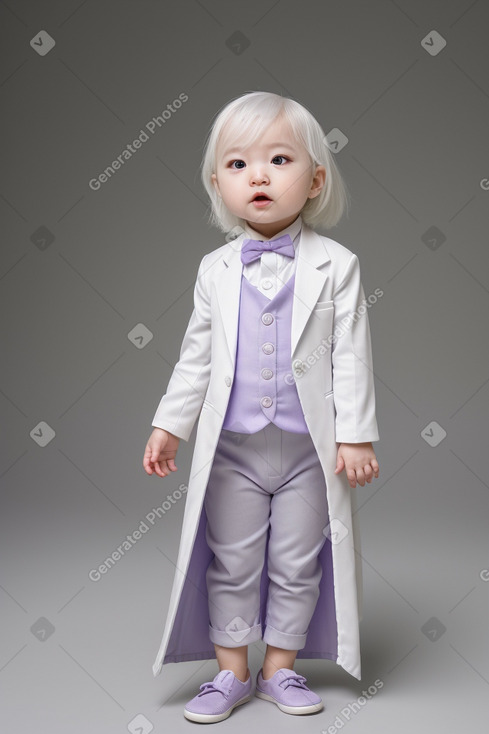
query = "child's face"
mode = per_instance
[{"x": 276, "y": 165}]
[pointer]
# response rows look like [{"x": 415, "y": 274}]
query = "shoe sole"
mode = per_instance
[
  {"x": 210, "y": 718},
  {"x": 313, "y": 708}
]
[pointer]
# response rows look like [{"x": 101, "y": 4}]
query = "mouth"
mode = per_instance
[{"x": 260, "y": 198}]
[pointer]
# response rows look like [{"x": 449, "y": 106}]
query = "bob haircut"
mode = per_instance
[{"x": 244, "y": 119}]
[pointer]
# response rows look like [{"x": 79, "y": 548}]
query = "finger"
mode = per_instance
[
  {"x": 165, "y": 467},
  {"x": 146, "y": 465},
  {"x": 158, "y": 470},
  {"x": 171, "y": 465},
  {"x": 352, "y": 478},
  {"x": 361, "y": 477},
  {"x": 146, "y": 460},
  {"x": 368, "y": 472},
  {"x": 158, "y": 467},
  {"x": 339, "y": 465}
]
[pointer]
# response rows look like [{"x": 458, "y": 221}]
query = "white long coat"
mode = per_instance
[{"x": 335, "y": 385}]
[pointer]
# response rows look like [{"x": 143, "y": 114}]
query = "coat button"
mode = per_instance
[
  {"x": 227, "y": 380},
  {"x": 266, "y": 401},
  {"x": 267, "y": 319},
  {"x": 298, "y": 366}
]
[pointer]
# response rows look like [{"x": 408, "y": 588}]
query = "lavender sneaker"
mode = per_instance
[
  {"x": 218, "y": 698},
  {"x": 288, "y": 690}
]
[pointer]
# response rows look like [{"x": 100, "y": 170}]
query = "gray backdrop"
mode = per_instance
[{"x": 96, "y": 291}]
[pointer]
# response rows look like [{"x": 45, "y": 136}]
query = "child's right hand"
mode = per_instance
[{"x": 160, "y": 453}]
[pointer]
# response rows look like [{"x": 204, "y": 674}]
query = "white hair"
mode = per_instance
[{"x": 245, "y": 118}]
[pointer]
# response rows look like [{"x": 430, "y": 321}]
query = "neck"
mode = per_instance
[{"x": 273, "y": 228}]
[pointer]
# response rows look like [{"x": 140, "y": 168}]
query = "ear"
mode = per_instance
[
  {"x": 318, "y": 182},
  {"x": 215, "y": 184}
]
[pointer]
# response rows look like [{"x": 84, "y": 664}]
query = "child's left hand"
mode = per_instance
[{"x": 359, "y": 461}]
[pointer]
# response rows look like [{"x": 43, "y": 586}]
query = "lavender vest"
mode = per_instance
[{"x": 264, "y": 388}]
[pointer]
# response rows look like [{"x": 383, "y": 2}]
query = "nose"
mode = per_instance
[{"x": 258, "y": 175}]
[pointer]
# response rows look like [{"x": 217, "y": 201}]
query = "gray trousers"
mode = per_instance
[{"x": 269, "y": 478}]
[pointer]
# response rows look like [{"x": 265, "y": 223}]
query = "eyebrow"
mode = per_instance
[{"x": 272, "y": 145}]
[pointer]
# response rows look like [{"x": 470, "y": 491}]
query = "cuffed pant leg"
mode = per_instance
[
  {"x": 238, "y": 512},
  {"x": 299, "y": 517}
]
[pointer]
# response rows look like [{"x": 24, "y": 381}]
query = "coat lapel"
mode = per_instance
[{"x": 309, "y": 282}]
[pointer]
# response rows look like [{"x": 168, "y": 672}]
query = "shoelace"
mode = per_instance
[
  {"x": 212, "y": 686},
  {"x": 295, "y": 680}
]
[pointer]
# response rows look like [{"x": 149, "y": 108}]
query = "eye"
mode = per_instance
[
  {"x": 280, "y": 156},
  {"x": 237, "y": 161}
]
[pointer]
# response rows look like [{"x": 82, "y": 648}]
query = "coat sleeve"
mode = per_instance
[
  {"x": 353, "y": 379},
  {"x": 181, "y": 404}
]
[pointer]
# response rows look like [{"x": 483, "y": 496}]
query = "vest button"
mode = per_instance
[
  {"x": 268, "y": 348},
  {"x": 266, "y": 373},
  {"x": 266, "y": 401},
  {"x": 267, "y": 319}
]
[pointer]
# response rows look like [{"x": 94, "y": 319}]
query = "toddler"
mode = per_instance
[{"x": 276, "y": 365}]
